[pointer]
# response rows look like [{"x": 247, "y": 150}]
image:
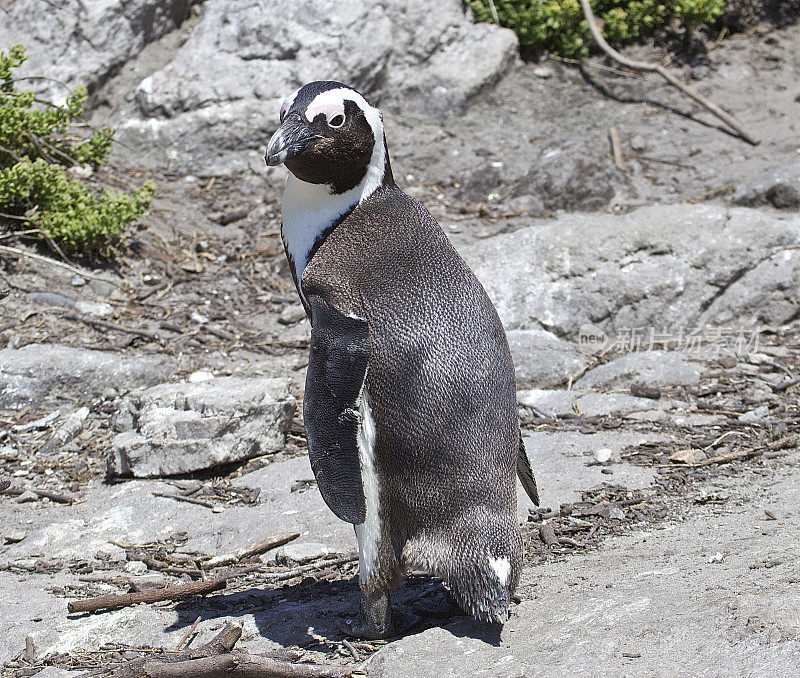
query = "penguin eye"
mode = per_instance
[{"x": 336, "y": 121}]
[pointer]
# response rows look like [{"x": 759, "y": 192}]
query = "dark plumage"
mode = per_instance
[{"x": 410, "y": 377}]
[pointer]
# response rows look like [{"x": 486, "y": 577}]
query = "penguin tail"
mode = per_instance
[{"x": 525, "y": 473}]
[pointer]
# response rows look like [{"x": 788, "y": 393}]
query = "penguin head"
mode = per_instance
[{"x": 329, "y": 134}]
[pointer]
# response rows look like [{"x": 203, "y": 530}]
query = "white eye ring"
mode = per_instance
[{"x": 332, "y": 121}]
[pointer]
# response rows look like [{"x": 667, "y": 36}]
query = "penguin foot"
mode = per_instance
[{"x": 376, "y": 618}]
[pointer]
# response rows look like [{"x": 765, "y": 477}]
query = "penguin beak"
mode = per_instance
[{"x": 290, "y": 139}]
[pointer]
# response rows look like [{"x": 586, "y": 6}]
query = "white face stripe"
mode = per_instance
[{"x": 330, "y": 107}]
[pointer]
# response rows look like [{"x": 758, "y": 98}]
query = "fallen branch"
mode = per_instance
[
  {"x": 248, "y": 551},
  {"x": 302, "y": 569},
  {"x": 239, "y": 664},
  {"x": 54, "y": 262},
  {"x": 646, "y": 67},
  {"x": 727, "y": 458},
  {"x": 116, "y": 601},
  {"x": 39, "y": 492},
  {"x": 106, "y": 325},
  {"x": 186, "y": 636},
  {"x": 218, "y": 659},
  {"x": 180, "y": 497}
]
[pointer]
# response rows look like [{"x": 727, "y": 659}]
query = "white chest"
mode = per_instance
[{"x": 309, "y": 210}]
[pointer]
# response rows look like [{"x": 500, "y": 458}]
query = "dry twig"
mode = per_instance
[
  {"x": 646, "y": 67},
  {"x": 616, "y": 149},
  {"x": 251, "y": 550},
  {"x": 47, "y": 260}
]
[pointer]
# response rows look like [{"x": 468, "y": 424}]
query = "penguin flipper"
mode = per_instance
[
  {"x": 525, "y": 473},
  {"x": 337, "y": 367}
]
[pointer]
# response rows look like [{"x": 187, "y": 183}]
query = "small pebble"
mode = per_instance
[
  {"x": 616, "y": 513},
  {"x": 604, "y": 454},
  {"x": 758, "y": 414},
  {"x": 200, "y": 375},
  {"x": 638, "y": 142},
  {"x": 717, "y": 558},
  {"x": 543, "y": 72},
  {"x": 27, "y": 496},
  {"x": 14, "y": 537},
  {"x": 303, "y": 552},
  {"x": 135, "y": 567}
]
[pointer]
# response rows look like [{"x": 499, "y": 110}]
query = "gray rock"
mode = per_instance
[
  {"x": 223, "y": 88},
  {"x": 663, "y": 267},
  {"x": 604, "y": 404},
  {"x": 181, "y": 428},
  {"x": 292, "y": 314},
  {"x": 469, "y": 653},
  {"x": 651, "y": 368},
  {"x": 27, "y": 496},
  {"x": 756, "y": 415},
  {"x": 303, "y": 552},
  {"x": 541, "y": 359},
  {"x": 135, "y": 567},
  {"x": 549, "y": 403},
  {"x": 778, "y": 187},
  {"x": 78, "y": 42},
  {"x": 30, "y": 373},
  {"x": 638, "y": 143},
  {"x": 14, "y": 536},
  {"x": 148, "y": 582},
  {"x": 565, "y": 177}
]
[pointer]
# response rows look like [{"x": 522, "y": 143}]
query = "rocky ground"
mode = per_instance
[{"x": 149, "y": 413}]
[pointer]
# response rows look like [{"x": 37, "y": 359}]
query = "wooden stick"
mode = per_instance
[
  {"x": 188, "y": 634},
  {"x": 116, "y": 601},
  {"x": 302, "y": 569},
  {"x": 616, "y": 149},
  {"x": 239, "y": 664},
  {"x": 218, "y": 659},
  {"x": 106, "y": 325},
  {"x": 646, "y": 67},
  {"x": 252, "y": 550},
  {"x": 180, "y": 497},
  {"x": 52, "y": 496},
  {"x": 54, "y": 262},
  {"x": 725, "y": 458}
]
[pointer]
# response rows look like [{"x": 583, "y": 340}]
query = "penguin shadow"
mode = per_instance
[
  {"x": 617, "y": 94},
  {"x": 286, "y": 615}
]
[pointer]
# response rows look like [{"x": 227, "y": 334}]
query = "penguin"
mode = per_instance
[{"x": 410, "y": 403}]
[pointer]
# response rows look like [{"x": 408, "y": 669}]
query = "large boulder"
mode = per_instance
[
  {"x": 223, "y": 88},
  {"x": 174, "y": 429},
  {"x": 664, "y": 267},
  {"x": 70, "y": 42}
]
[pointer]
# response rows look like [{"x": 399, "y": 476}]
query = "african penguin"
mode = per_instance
[{"x": 410, "y": 406}]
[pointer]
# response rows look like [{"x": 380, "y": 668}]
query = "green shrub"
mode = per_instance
[
  {"x": 36, "y": 190},
  {"x": 559, "y": 26}
]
